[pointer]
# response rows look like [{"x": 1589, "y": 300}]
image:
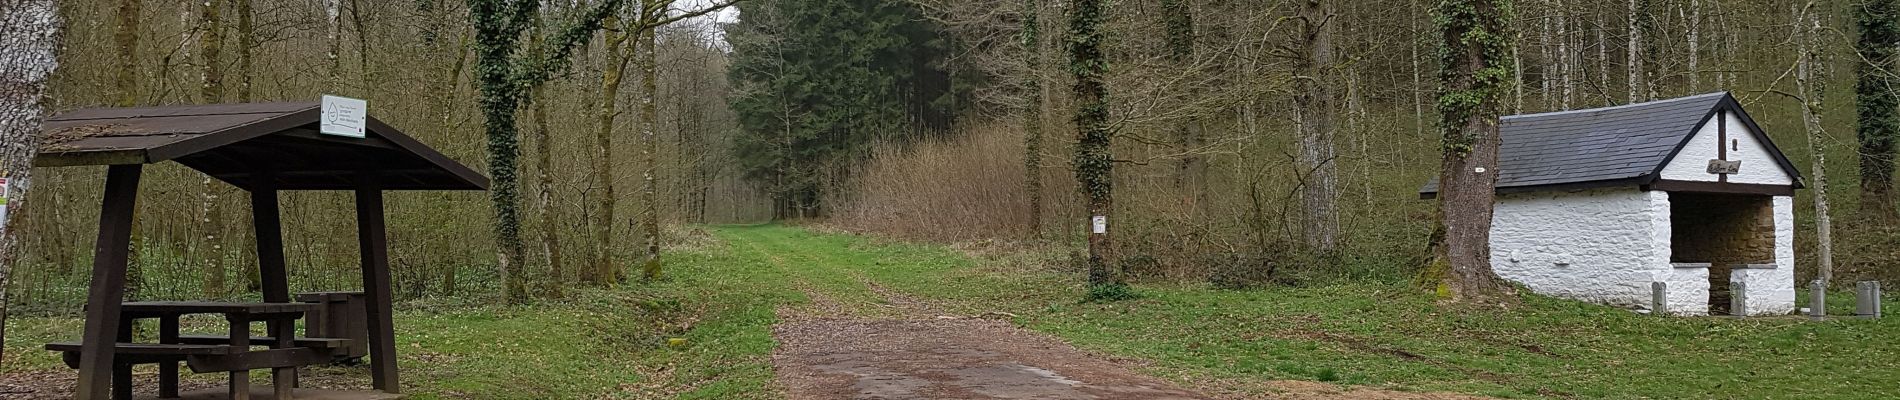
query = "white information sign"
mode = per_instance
[
  {"x": 343, "y": 116},
  {"x": 1100, "y": 224}
]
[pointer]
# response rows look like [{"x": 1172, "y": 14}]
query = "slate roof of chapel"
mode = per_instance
[{"x": 1609, "y": 146}]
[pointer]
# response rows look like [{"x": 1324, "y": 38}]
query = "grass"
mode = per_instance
[{"x": 721, "y": 295}]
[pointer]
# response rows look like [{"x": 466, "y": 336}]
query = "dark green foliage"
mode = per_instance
[
  {"x": 820, "y": 80},
  {"x": 1875, "y": 99},
  {"x": 1179, "y": 22}
]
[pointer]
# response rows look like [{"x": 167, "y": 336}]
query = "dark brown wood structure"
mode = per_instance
[{"x": 262, "y": 148}]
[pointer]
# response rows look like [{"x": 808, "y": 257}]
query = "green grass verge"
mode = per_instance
[{"x": 721, "y": 296}]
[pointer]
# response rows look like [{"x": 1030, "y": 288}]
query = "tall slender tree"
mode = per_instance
[
  {"x": 1811, "y": 91},
  {"x": 1032, "y": 113},
  {"x": 29, "y": 37},
  {"x": 1876, "y": 98},
  {"x": 1474, "y": 54}
]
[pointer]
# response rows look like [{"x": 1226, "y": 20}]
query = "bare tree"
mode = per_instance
[
  {"x": 1810, "y": 92},
  {"x": 29, "y": 37},
  {"x": 1319, "y": 173}
]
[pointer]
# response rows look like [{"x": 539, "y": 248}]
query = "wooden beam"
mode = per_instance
[
  {"x": 107, "y": 289},
  {"x": 1721, "y": 187},
  {"x": 374, "y": 244}
]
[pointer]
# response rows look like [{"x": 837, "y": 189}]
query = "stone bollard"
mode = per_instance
[
  {"x": 1738, "y": 298},
  {"x": 1817, "y": 299},
  {"x": 1659, "y": 298},
  {"x": 1867, "y": 299}
]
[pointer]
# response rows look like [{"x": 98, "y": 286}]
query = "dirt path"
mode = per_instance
[
  {"x": 857, "y": 339},
  {"x": 946, "y": 359}
]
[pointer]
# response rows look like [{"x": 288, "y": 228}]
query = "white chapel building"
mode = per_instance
[{"x": 1598, "y": 204}]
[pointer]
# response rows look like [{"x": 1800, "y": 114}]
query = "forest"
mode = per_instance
[{"x": 1174, "y": 171}]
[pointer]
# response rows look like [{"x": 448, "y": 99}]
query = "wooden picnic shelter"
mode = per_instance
[{"x": 263, "y": 148}]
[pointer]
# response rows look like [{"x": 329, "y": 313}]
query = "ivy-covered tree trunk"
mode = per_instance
[
  {"x": 1475, "y": 53},
  {"x": 1094, "y": 166},
  {"x": 1032, "y": 114},
  {"x": 29, "y": 37},
  {"x": 1876, "y": 98},
  {"x": 495, "y": 42}
]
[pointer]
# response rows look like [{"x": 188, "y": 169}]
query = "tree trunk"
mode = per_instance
[
  {"x": 1319, "y": 180},
  {"x": 611, "y": 75},
  {"x": 126, "y": 36},
  {"x": 1807, "y": 78},
  {"x": 1474, "y": 75},
  {"x": 210, "y": 45},
  {"x": 651, "y": 11},
  {"x": 1032, "y": 115},
  {"x": 495, "y": 44},
  {"x": 247, "y": 38},
  {"x": 29, "y": 37},
  {"x": 1094, "y": 167},
  {"x": 1695, "y": 46},
  {"x": 1876, "y": 100},
  {"x": 544, "y": 172},
  {"x": 333, "y": 10},
  {"x": 1635, "y": 57}
]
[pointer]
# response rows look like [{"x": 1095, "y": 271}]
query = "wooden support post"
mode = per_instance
[
  {"x": 168, "y": 371},
  {"x": 375, "y": 249},
  {"x": 267, "y": 223},
  {"x": 107, "y": 291},
  {"x": 1659, "y": 298},
  {"x": 283, "y": 379},
  {"x": 270, "y": 246},
  {"x": 1817, "y": 299},
  {"x": 122, "y": 370},
  {"x": 240, "y": 338}
]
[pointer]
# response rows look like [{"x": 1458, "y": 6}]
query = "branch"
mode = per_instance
[
  {"x": 557, "y": 52},
  {"x": 689, "y": 14}
]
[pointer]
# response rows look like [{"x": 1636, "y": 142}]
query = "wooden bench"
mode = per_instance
[{"x": 317, "y": 343}]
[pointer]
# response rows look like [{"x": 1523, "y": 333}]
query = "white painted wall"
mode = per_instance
[
  {"x": 1771, "y": 291},
  {"x": 1689, "y": 289},
  {"x": 1758, "y": 163},
  {"x": 1598, "y": 245}
]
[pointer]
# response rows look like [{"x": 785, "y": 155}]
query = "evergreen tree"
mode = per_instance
[{"x": 820, "y": 80}]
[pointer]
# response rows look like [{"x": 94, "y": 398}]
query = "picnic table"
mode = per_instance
[
  {"x": 264, "y": 149},
  {"x": 231, "y": 352}
]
